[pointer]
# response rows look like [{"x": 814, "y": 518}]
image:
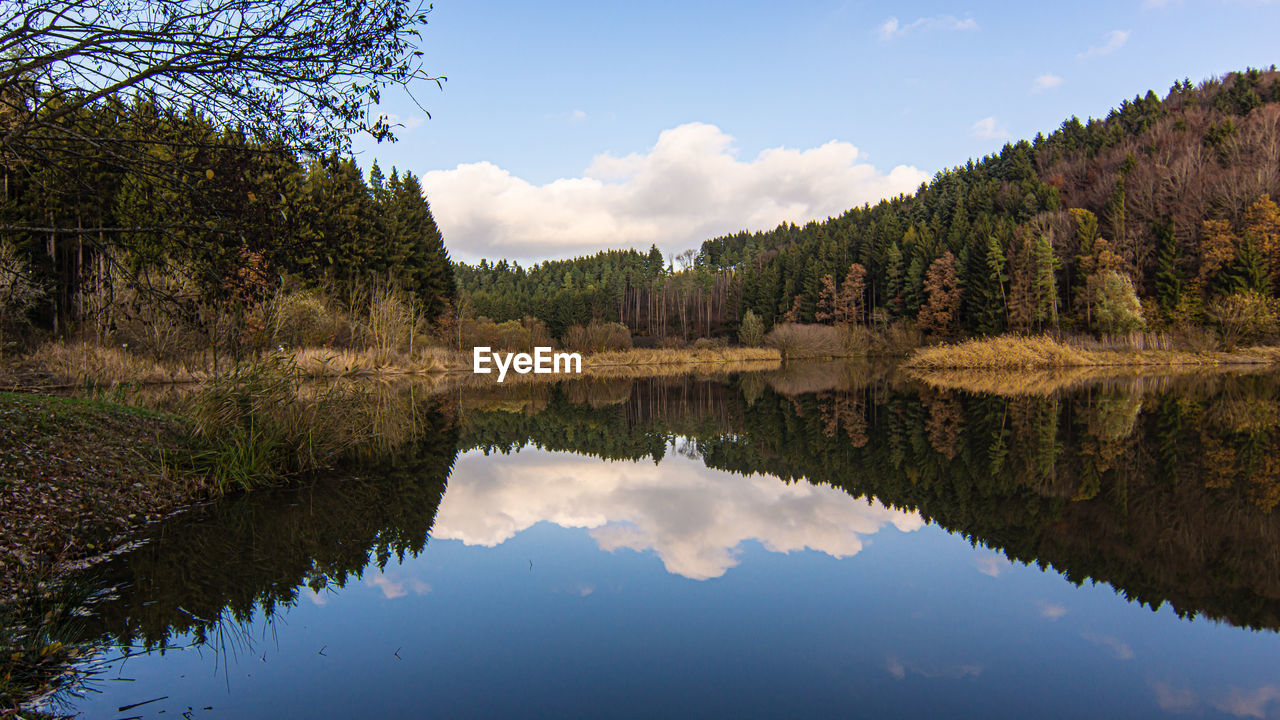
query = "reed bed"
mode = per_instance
[
  {"x": 84, "y": 364},
  {"x": 1050, "y": 381},
  {"x": 689, "y": 356},
  {"x": 1011, "y": 352}
]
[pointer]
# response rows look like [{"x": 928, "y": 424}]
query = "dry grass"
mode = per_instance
[
  {"x": 1017, "y": 352},
  {"x": 693, "y": 356},
  {"x": 330, "y": 363},
  {"x": 795, "y": 340},
  {"x": 88, "y": 364},
  {"x": 1043, "y": 383}
]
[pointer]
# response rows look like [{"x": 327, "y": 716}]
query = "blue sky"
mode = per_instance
[{"x": 537, "y": 93}]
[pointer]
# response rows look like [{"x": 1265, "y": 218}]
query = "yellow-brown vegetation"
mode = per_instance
[{"x": 1037, "y": 352}]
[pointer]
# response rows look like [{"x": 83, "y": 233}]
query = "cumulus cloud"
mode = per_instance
[
  {"x": 688, "y": 187},
  {"x": 892, "y": 29},
  {"x": 692, "y": 517},
  {"x": 989, "y": 129},
  {"x": 1114, "y": 41},
  {"x": 1048, "y": 81}
]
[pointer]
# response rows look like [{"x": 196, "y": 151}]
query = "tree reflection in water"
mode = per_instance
[{"x": 1166, "y": 490}]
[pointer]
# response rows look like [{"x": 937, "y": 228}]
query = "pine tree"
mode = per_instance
[
  {"x": 987, "y": 289},
  {"x": 1046, "y": 286},
  {"x": 1250, "y": 271},
  {"x": 1262, "y": 221},
  {"x": 428, "y": 272},
  {"x": 894, "y": 280},
  {"x": 913, "y": 292},
  {"x": 1168, "y": 286}
]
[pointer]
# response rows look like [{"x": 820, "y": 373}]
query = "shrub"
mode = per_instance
[
  {"x": 710, "y": 343},
  {"x": 597, "y": 336},
  {"x": 308, "y": 318},
  {"x": 1243, "y": 317},
  {"x": 389, "y": 319},
  {"x": 751, "y": 329},
  {"x": 898, "y": 338},
  {"x": 796, "y": 340},
  {"x": 510, "y": 336}
]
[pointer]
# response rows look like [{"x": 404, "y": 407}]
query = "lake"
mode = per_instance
[{"x": 824, "y": 541}]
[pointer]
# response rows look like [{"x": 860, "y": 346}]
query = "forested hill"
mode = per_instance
[{"x": 1168, "y": 199}]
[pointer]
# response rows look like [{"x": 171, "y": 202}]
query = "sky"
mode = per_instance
[{"x": 566, "y": 127}]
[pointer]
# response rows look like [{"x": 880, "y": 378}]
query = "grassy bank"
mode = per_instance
[
  {"x": 86, "y": 365},
  {"x": 1011, "y": 352},
  {"x": 76, "y": 475}
]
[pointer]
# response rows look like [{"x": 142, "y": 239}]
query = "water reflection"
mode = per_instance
[
  {"x": 1163, "y": 491},
  {"x": 694, "y": 518}
]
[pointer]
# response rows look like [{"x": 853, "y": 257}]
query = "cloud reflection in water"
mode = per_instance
[{"x": 693, "y": 517}]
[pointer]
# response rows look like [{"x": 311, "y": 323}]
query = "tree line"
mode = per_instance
[
  {"x": 200, "y": 218},
  {"x": 1154, "y": 215}
]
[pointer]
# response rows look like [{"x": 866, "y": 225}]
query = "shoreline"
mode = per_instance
[
  {"x": 63, "y": 436},
  {"x": 1012, "y": 352}
]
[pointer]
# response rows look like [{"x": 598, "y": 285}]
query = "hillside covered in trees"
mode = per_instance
[
  {"x": 136, "y": 217},
  {"x": 1159, "y": 215}
]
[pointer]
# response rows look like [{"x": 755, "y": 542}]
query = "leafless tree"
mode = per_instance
[{"x": 307, "y": 70}]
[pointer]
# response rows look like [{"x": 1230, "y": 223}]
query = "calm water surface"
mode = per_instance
[{"x": 827, "y": 543}]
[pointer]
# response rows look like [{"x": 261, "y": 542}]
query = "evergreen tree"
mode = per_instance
[
  {"x": 894, "y": 280},
  {"x": 1250, "y": 272},
  {"x": 1168, "y": 286},
  {"x": 987, "y": 289}
]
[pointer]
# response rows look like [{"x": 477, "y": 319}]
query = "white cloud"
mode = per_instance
[
  {"x": 899, "y": 670},
  {"x": 1052, "y": 611},
  {"x": 688, "y": 187},
  {"x": 1251, "y": 703},
  {"x": 1044, "y": 82},
  {"x": 1118, "y": 647},
  {"x": 988, "y": 129},
  {"x": 1115, "y": 40},
  {"x": 392, "y": 587},
  {"x": 692, "y": 517},
  {"x": 573, "y": 117},
  {"x": 891, "y": 29},
  {"x": 1174, "y": 699},
  {"x": 991, "y": 565}
]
